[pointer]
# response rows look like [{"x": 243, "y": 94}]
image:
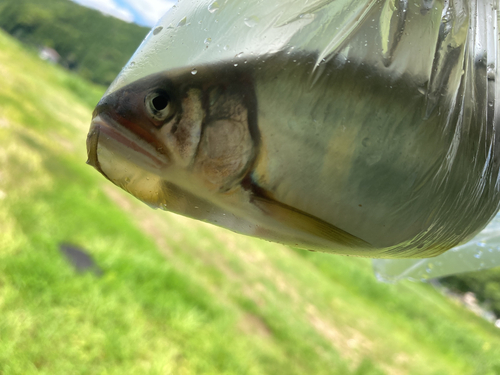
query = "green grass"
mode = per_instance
[{"x": 178, "y": 296}]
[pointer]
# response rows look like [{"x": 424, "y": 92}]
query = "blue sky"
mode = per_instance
[{"x": 142, "y": 12}]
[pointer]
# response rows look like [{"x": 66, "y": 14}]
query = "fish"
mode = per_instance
[{"x": 340, "y": 156}]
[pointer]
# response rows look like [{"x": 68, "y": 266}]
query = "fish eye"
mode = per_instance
[
  {"x": 159, "y": 106},
  {"x": 160, "y": 102}
]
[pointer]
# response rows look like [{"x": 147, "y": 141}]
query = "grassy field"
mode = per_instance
[{"x": 177, "y": 296}]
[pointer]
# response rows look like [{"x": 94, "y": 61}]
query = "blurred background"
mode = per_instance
[{"x": 94, "y": 282}]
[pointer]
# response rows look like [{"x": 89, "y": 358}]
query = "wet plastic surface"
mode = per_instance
[
  {"x": 480, "y": 253},
  {"x": 373, "y": 132}
]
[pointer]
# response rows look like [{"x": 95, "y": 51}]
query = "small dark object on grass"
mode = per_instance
[{"x": 79, "y": 258}]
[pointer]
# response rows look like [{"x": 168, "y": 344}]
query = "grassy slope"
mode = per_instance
[{"x": 178, "y": 296}]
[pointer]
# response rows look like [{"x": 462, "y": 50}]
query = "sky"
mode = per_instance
[{"x": 142, "y": 12}]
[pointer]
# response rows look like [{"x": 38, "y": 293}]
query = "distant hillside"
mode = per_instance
[
  {"x": 484, "y": 284},
  {"x": 88, "y": 42}
]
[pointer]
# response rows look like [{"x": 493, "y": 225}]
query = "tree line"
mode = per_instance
[{"x": 90, "y": 43}]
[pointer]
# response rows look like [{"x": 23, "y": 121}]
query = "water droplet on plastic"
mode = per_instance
[
  {"x": 132, "y": 63},
  {"x": 235, "y": 64},
  {"x": 194, "y": 71},
  {"x": 307, "y": 16},
  {"x": 478, "y": 254},
  {"x": 239, "y": 55},
  {"x": 182, "y": 22},
  {"x": 366, "y": 142},
  {"x": 226, "y": 47},
  {"x": 214, "y": 7},
  {"x": 208, "y": 41},
  {"x": 490, "y": 72},
  {"x": 422, "y": 90},
  {"x": 157, "y": 30},
  {"x": 251, "y": 21}
]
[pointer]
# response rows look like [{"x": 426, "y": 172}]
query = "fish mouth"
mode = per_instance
[
  {"x": 92, "y": 140},
  {"x": 127, "y": 160},
  {"x": 105, "y": 132}
]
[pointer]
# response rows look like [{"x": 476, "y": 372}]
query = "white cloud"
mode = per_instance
[
  {"x": 150, "y": 10},
  {"x": 109, "y": 7}
]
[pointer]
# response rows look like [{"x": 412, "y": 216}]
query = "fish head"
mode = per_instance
[{"x": 175, "y": 140}]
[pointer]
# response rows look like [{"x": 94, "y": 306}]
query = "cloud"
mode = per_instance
[
  {"x": 149, "y": 11},
  {"x": 109, "y": 7},
  {"x": 144, "y": 12}
]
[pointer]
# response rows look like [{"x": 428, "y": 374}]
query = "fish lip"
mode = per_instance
[
  {"x": 92, "y": 141},
  {"x": 104, "y": 125}
]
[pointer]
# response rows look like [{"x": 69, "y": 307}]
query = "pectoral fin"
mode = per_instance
[{"x": 298, "y": 220}]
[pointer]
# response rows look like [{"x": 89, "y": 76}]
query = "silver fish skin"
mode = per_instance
[
  {"x": 382, "y": 143},
  {"x": 352, "y": 165}
]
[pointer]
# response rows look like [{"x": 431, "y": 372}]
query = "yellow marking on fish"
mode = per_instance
[{"x": 306, "y": 223}]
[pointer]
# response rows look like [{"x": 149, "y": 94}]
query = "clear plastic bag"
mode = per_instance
[
  {"x": 364, "y": 128},
  {"x": 482, "y": 252}
]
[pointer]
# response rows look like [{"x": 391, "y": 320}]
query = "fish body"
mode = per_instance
[{"x": 345, "y": 156}]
